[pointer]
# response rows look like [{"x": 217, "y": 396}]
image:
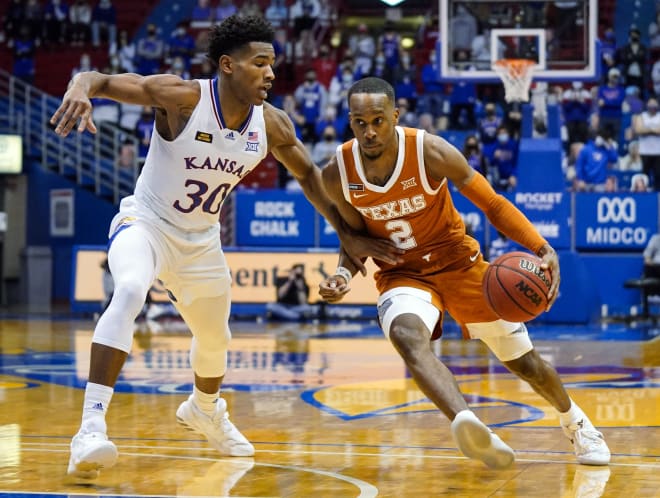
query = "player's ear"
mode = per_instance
[
  {"x": 225, "y": 64},
  {"x": 396, "y": 115}
]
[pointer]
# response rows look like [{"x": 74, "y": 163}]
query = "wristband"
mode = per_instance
[{"x": 344, "y": 272}]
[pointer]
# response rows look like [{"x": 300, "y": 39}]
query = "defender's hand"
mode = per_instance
[
  {"x": 551, "y": 262},
  {"x": 358, "y": 247},
  {"x": 333, "y": 288},
  {"x": 75, "y": 106}
]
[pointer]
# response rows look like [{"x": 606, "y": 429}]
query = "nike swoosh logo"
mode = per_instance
[
  {"x": 357, "y": 196},
  {"x": 474, "y": 257}
]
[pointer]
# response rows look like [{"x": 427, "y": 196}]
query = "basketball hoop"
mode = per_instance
[{"x": 516, "y": 74}]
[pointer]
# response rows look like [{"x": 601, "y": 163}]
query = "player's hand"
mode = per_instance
[
  {"x": 76, "y": 108},
  {"x": 551, "y": 263},
  {"x": 333, "y": 288},
  {"x": 358, "y": 248}
]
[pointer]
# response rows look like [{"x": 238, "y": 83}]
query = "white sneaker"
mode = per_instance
[
  {"x": 218, "y": 429},
  {"x": 90, "y": 452},
  {"x": 589, "y": 445},
  {"x": 476, "y": 440}
]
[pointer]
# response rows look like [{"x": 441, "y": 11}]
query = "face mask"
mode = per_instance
[
  {"x": 634, "y": 38},
  {"x": 180, "y": 31},
  {"x": 328, "y": 138},
  {"x": 600, "y": 141},
  {"x": 652, "y": 108},
  {"x": 503, "y": 137},
  {"x": 471, "y": 146},
  {"x": 347, "y": 78},
  {"x": 490, "y": 112},
  {"x": 577, "y": 85},
  {"x": 380, "y": 60}
]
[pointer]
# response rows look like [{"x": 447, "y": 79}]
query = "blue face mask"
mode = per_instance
[{"x": 503, "y": 138}]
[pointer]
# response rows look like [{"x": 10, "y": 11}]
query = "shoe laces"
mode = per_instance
[
  {"x": 589, "y": 439},
  {"x": 221, "y": 419}
]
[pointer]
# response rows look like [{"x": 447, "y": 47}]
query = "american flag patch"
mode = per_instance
[
  {"x": 253, "y": 136},
  {"x": 356, "y": 186}
]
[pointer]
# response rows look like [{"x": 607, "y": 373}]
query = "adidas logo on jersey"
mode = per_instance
[{"x": 230, "y": 136}]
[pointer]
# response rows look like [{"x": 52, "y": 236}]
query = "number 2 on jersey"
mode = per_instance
[{"x": 401, "y": 234}]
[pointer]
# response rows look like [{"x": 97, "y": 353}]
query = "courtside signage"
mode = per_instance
[{"x": 622, "y": 221}]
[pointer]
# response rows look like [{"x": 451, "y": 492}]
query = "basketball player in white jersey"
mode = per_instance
[{"x": 208, "y": 135}]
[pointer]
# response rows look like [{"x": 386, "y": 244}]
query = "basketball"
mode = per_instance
[{"x": 516, "y": 287}]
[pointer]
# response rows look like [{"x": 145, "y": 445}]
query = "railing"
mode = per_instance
[{"x": 88, "y": 159}]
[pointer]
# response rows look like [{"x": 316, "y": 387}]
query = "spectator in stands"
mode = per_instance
[
  {"x": 143, "y": 130},
  {"x": 390, "y": 44},
  {"x": 432, "y": 96},
  {"x": 311, "y": 97},
  {"x": 462, "y": 99},
  {"x": 202, "y": 12},
  {"x": 13, "y": 20},
  {"x": 407, "y": 117},
  {"x": 363, "y": 47},
  {"x": 250, "y": 8},
  {"x": 325, "y": 148},
  {"x": 647, "y": 128},
  {"x": 652, "y": 251},
  {"x": 290, "y": 106},
  {"x": 205, "y": 70},
  {"x": 654, "y": 31},
  {"x": 463, "y": 29},
  {"x": 633, "y": 58},
  {"x": 505, "y": 161},
  {"x": 325, "y": 66},
  {"x": 85, "y": 65},
  {"x": 608, "y": 51},
  {"x": 127, "y": 159},
  {"x": 426, "y": 123},
  {"x": 150, "y": 51},
  {"x": 632, "y": 161},
  {"x": 277, "y": 13},
  {"x": 23, "y": 50},
  {"x": 56, "y": 15},
  {"x": 34, "y": 19},
  {"x": 225, "y": 9},
  {"x": 80, "y": 19},
  {"x": 610, "y": 101},
  {"x": 181, "y": 44},
  {"x": 576, "y": 107},
  {"x": 303, "y": 15},
  {"x": 178, "y": 67},
  {"x": 593, "y": 162},
  {"x": 611, "y": 184},
  {"x": 407, "y": 88},
  {"x": 474, "y": 156},
  {"x": 632, "y": 103},
  {"x": 639, "y": 183},
  {"x": 126, "y": 52},
  {"x": 329, "y": 118},
  {"x": 655, "y": 78},
  {"x": 487, "y": 130},
  {"x": 104, "y": 22},
  {"x": 281, "y": 48},
  {"x": 338, "y": 90}
]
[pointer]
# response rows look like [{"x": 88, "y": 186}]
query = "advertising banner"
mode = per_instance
[
  {"x": 275, "y": 219},
  {"x": 617, "y": 222}
]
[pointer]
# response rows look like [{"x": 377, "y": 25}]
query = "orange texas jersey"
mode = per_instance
[{"x": 411, "y": 209}]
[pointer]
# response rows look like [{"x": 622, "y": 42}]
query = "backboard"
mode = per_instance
[{"x": 560, "y": 36}]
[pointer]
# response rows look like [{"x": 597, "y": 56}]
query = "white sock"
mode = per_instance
[
  {"x": 572, "y": 416},
  {"x": 205, "y": 401},
  {"x": 95, "y": 405}
]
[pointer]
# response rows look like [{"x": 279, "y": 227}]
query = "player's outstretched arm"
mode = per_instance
[
  {"x": 445, "y": 161},
  {"x": 287, "y": 149},
  {"x": 165, "y": 91}
]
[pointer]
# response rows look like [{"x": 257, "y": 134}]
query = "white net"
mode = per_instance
[{"x": 516, "y": 74}]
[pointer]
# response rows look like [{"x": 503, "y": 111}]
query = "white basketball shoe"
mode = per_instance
[
  {"x": 218, "y": 429},
  {"x": 588, "y": 443},
  {"x": 476, "y": 440},
  {"x": 91, "y": 452}
]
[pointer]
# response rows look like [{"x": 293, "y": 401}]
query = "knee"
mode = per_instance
[
  {"x": 407, "y": 339},
  {"x": 529, "y": 367},
  {"x": 130, "y": 295}
]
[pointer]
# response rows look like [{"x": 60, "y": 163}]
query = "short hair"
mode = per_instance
[
  {"x": 372, "y": 85},
  {"x": 235, "y": 32}
]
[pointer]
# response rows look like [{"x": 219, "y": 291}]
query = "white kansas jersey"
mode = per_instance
[{"x": 185, "y": 181}]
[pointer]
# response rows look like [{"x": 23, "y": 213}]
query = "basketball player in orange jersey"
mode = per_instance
[{"x": 393, "y": 182}]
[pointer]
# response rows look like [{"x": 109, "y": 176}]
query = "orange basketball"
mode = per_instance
[{"x": 516, "y": 287}]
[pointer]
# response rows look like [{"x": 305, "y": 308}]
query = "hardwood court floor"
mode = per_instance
[{"x": 332, "y": 413}]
